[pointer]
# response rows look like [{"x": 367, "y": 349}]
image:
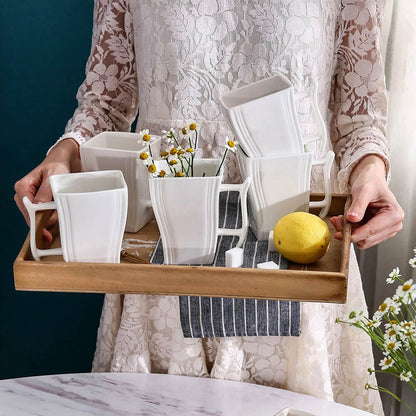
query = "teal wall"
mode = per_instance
[{"x": 44, "y": 47}]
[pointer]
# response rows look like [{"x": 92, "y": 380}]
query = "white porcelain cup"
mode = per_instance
[
  {"x": 264, "y": 119},
  {"x": 187, "y": 213},
  {"x": 118, "y": 150},
  {"x": 281, "y": 185},
  {"x": 92, "y": 211}
]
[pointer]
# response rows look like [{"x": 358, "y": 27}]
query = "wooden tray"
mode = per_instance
[{"x": 323, "y": 281}]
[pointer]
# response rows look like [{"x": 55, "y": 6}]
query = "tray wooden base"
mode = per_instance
[{"x": 323, "y": 281}]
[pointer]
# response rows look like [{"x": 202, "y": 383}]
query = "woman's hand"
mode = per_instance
[
  {"x": 374, "y": 213},
  {"x": 63, "y": 158}
]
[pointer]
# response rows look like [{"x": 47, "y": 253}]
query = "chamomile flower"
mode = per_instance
[
  {"x": 170, "y": 136},
  {"x": 231, "y": 144},
  {"x": 192, "y": 126},
  {"x": 386, "y": 363},
  {"x": 143, "y": 156},
  {"x": 412, "y": 262},
  {"x": 407, "y": 291},
  {"x": 405, "y": 376},
  {"x": 151, "y": 168},
  {"x": 145, "y": 135},
  {"x": 392, "y": 345},
  {"x": 393, "y": 276},
  {"x": 353, "y": 318}
]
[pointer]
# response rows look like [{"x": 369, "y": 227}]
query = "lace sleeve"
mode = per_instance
[
  {"x": 108, "y": 98},
  {"x": 359, "y": 97}
]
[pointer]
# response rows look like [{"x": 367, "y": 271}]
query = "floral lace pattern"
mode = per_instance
[{"x": 172, "y": 61}]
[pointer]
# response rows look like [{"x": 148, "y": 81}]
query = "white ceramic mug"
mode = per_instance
[
  {"x": 118, "y": 150},
  {"x": 92, "y": 211},
  {"x": 281, "y": 185},
  {"x": 187, "y": 213},
  {"x": 264, "y": 119}
]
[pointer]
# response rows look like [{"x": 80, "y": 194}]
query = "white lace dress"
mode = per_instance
[{"x": 172, "y": 60}]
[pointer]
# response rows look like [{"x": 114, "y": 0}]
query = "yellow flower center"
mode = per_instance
[
  {"x": 231, "y": 143},
  {"x": 406, "y": 287},
  {"x": 393, "y": 322},
  {"x": 181, "y": 152},
  {"x": 391, "y": 345},
  {"x": 391, "y": 333},
  {"x": 146, "y": 137},
  {"x": 406, "y": 324},
  {"x": 162, "y": 173},
  {"x": 192, "y": 126},
  {"x": 190, "y": 150},
  {"x": 152, "y": 168},
  {"x": 383, "y": 307},
  {"x": 164, "y": 153},
  {"x": 144, "y": 156},
  {"x": 184, "y": 131},
  {"x": 179, "y": 174},
  {"x": 173, "y": 162},
  {"x": 388, "y": 361},
  {"x": 173, "y": 150}
]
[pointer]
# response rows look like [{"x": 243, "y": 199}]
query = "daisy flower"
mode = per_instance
[
  {"x": 393, "y": 276},
  {"x": 386, "y": 363}
]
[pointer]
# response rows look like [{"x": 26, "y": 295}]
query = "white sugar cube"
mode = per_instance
[
  {"x": 268, "y": 265},
  {"x": 272, "y": 246},
  {"x": 234, "y": 257}
]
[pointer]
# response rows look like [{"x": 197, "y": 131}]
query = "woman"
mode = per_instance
[{"x": 172, "y": 60}]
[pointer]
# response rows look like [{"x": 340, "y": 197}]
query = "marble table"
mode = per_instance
[{"x": 128, "y": 394}]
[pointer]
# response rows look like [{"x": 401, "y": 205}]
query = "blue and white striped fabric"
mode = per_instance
[{"x": 203, "y": 317}]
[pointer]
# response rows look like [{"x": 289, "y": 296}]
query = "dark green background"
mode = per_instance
[{"x": 44, "y": 47}]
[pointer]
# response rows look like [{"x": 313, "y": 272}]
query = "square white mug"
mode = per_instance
[
  {"x": 281, "y": 185},
  {"x": 120, "y": 150},
  {"x": 92, "y": 212}
]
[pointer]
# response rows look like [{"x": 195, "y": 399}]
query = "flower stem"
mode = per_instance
[{"x": 222, "y": 161}]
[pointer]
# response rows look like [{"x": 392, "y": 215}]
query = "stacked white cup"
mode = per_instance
[{"x": 272, "y": 151}]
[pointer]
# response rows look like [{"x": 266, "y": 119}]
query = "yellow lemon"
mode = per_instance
[{"x": 301, "y": 237}]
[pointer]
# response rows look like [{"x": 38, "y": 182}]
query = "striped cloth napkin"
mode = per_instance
[{"x": 203, "y": 316}]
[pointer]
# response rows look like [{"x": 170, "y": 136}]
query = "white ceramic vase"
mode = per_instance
[{"x": 187, "y": 213}]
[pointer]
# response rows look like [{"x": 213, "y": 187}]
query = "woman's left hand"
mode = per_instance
[{"x": 374, "y": 213}]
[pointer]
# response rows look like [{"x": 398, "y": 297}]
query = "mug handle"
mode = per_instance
[
  {"x": 242, "y": 188},
  {"x": 326, "y": 202},
  {"x": 32, "y": 209}
]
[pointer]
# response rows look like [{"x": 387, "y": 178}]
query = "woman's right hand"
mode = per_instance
[{"x": 62, "y": 158}]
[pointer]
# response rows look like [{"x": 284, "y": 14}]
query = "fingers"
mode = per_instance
[
  {"x": 27, "y": 186},
  {"x": 338, "y": 223},
  {"x": 362, "y": 196},
  {"x": 44, "y": 193},
  {"x": 384, "y": 224}
]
